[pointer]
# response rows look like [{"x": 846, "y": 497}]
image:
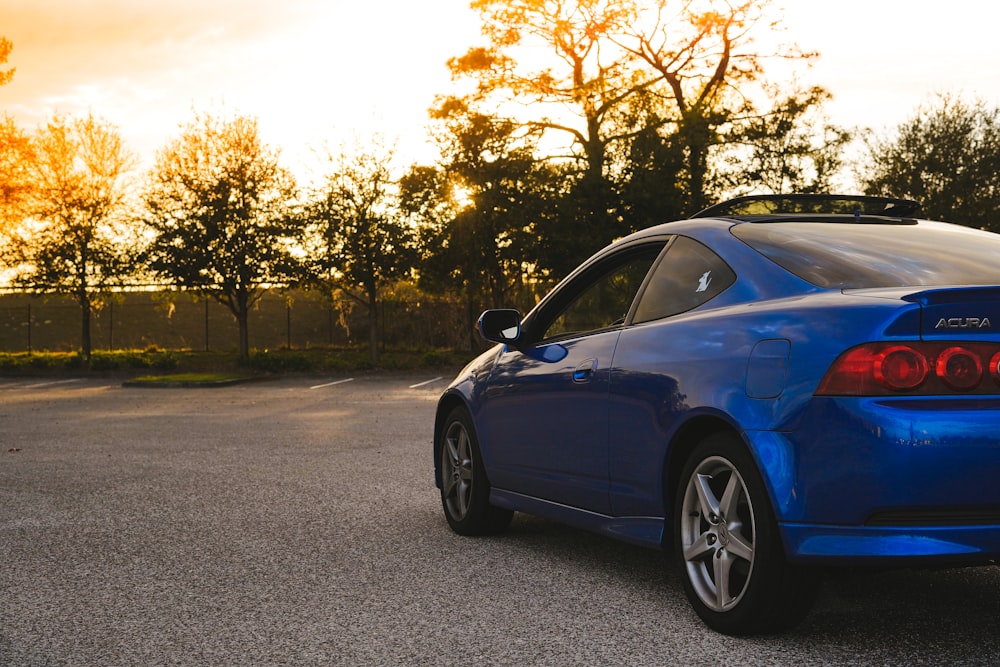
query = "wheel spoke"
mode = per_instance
[
  {"x": 452, "y": 449},
  {"x": 462, "y": 495},
  {"x": 464, "y": 484},
  {"x": 721, "y": 567},
  {"x": 465, "y": 472},
  {"x": 706, "y": 497},
  {"x": 450, "y": 462},
  {"x": 739, "y": 546},
  {"x": 699, "y": 548},
  {"x": 731, "y": 497},
  {"x": 449, "y": 483}
]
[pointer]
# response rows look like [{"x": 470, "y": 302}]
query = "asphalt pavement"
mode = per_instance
[{"x": 295, "y": 522}]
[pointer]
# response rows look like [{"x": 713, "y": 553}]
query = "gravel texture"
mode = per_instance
[{"x": 295, "y": 522}]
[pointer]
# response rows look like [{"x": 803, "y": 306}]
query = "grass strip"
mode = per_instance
[{"x": 191, "y": 380}]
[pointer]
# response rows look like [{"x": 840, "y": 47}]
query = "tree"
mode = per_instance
[
  {"x": 643, "y": 90},
  {"x": 485, "y": 245},
  {"x": 5, "y": 48},
  {"x": 702, "y": 55},
  {"x": 583, "y": 74},
  {"x": 74, "y": 239},
  {"x": 358, "y": 241},
  {"x": 578, "y": 86},
  {"x": 790, "y": 148},
  {"x": 946, "y": 156},
  {"x": 221, "y": 212},
  {"x": 652, "y": 188},
  {"x": 16, "y": 163},
  {"x": 15, "y": 157}
]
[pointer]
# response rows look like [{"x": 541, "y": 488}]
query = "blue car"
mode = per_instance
[{"x": 777, "y": 385}]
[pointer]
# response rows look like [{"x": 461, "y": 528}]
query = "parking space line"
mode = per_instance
[
  {"x": 330, "y": 384},
  {"x": 49, "y": 384},
  {"x": 421, "y": 384}
]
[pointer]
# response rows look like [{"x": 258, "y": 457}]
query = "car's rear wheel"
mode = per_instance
[
  {"x": 465, "y": 489},
  {"x": 727, "y": 544}
]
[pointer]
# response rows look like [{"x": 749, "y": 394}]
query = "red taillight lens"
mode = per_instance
[
  {"x": 995, "y": 367},
  {"x": 959, "y": 368},
  {"x": 918, "y": 368},
  {"x": 899, "y": 368}
]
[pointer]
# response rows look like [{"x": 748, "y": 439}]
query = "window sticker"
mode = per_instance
[{"x": 704, "y": 281}]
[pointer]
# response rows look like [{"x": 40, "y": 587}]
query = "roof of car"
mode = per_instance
[
  {"x": 826, "y": 208},
  {"x": 814, "y": 207}
]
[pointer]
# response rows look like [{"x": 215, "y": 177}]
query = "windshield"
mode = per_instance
[{"x": 848, "y": 256}]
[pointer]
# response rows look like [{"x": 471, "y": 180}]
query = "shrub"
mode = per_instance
[
  {"x": 435, "y": 358},
  {"x": 277, "y": 362},
  {"x": 40, "y": 361},
  {"x": 163, "y": 361}
]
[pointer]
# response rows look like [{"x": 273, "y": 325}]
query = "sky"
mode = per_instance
[{"x": 329, "y": 72}]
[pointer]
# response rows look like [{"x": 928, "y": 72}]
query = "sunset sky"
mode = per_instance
[{"x": 317, "y": 71}]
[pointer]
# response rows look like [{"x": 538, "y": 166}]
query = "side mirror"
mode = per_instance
[{"x": 500, "y": 326}]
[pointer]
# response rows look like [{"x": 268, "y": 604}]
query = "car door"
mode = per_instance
[
  {"x": 545, "y": 413},
  {"x": 653, "y": 372}
]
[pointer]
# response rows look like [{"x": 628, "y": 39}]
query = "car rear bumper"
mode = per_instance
[
  {"x": 862, "y": 479},
  {"x": 951, "y": 545}
]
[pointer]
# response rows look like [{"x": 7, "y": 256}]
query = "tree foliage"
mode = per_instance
[
  {"x": 486, "y": 249},
  {"x": 358, "y": 243},
  {"x": 74, "y": 238},
  {"x": 649, "y": 97},
  {"x": 557, "y": 59},
  {"x": 585, "y": 74},
  {"x": 946, "y": 156},
  {"x": 16, "y": 181},
  {"x": 5, "y": 48},
  {"x": 652, "y": 184},
  {"x": 791, "y": 147},
  {"x": 221, "y": 212},
  {"x": 704, "y": 57},
  {"x": 15, "y": 155},
  {"x": 585, "y": 120}
]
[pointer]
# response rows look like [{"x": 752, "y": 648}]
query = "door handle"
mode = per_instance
[{"x": 585, "y": 371}]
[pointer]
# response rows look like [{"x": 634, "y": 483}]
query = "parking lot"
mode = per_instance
[{"x": 295, "y": 522}]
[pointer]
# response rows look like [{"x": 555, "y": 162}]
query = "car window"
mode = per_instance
[
  {"x": 844, "y": 255},
  {"x": 601, "y": 298},
  {"x": 688, "y": 275}
]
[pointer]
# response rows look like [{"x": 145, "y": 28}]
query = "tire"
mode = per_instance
[
  {"x": 728, "y": 548},
  {"x": 465, "y": 489}
]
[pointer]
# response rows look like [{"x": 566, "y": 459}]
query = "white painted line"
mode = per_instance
[
  {"x": 421, "y": 384},
  {"x": 49, "y": 384},
  {"x": 330, "y": 384}
]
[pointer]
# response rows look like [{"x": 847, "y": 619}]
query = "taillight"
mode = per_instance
[
  {"x": 994, "y": 368},
  {"x": 920, "y": 369},
  {"x": 959, "y": 368},
  {"x": 899, "y": 368}
]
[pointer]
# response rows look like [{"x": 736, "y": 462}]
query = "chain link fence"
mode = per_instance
[{"x": 176, "y": 321}]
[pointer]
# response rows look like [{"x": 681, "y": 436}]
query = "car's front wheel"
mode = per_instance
[
  {"x": 465, "y": 489},
  {"x": 728, "y": 547}
]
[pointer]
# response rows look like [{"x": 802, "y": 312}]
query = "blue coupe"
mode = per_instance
[{"x": 777, "y": 385}]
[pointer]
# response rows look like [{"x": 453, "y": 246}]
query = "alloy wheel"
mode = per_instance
[
  {"x": 457, "y": 471},
  {"x": 717, "y": 534}
]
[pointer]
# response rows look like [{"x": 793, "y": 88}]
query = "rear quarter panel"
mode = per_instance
[{"x": 695, "y": 366}]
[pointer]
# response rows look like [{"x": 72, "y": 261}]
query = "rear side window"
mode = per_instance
[
  {"x": 849, "y": 256},
  {"x": 688, "y": 275}
]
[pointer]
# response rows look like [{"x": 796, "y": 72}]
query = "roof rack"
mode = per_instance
[{"x": 812, "y": 204}]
